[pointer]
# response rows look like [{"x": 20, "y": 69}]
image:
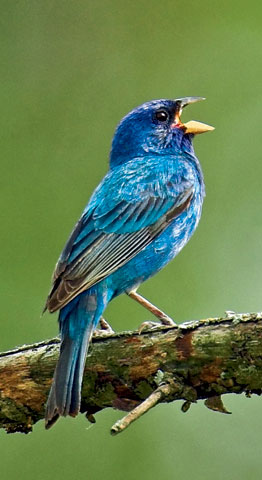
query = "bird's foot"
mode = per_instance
[
  {"x": 149, "y": 325},
  {"x": 105, "y": 326},
  {"x": 104, "y": 330}
]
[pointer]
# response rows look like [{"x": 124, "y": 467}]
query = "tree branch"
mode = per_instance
[{"x": 133, "y": 372}]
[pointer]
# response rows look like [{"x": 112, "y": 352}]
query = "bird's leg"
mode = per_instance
[
  {"x": 165, "y": 319},
  {"x": 104, "y": 330}
]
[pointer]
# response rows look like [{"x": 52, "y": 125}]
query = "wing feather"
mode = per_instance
[{"x": 108, "y": 235}]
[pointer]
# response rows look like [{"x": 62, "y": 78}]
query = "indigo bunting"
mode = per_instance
[{"x": 139, "y": 218}]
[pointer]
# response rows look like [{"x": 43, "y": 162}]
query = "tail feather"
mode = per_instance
[
  {"x": 67, "y": 409},
  {"x": 59, "y": 400},
  {"x": 75, "y": 400},
  {"x": 77, "y": 323},
  {"x": 73, "y": 397}
]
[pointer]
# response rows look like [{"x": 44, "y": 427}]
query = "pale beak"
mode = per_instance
[
  {"x": 192, "y": 126},
  {"x": 197, "y": 127}
]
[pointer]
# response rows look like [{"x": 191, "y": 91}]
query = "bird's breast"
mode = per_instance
[{"x": 177, "y": 234}]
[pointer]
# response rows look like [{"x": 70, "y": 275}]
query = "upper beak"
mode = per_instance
[{"x": 192, "y": 126}]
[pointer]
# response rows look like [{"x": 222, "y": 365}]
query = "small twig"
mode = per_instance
[{"x": 157, "y": 396}]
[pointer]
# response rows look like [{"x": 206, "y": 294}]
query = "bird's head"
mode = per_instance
[{"x": 154, "y": 128}]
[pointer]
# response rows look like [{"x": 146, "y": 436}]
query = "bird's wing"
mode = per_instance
[{"x": 125, "y": 214}]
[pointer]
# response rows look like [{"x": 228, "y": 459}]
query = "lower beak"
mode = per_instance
[
  {"x": 192, "y": 126},
  {"x": 197, "y": 127}
]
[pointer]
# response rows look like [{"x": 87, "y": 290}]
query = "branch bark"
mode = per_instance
[{"x": 133, "y": 372}]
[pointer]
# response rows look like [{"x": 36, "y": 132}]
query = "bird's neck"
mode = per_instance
[
  {"x": 184, "y": 147},
  {"x": 177, "y": 145}
]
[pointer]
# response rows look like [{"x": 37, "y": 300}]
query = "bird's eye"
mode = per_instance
[{"x": 162, "y": 116}]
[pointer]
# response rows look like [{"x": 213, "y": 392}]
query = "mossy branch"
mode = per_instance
[{"x": 133, "y": 372}]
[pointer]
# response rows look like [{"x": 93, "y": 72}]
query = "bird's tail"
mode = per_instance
[{"x": 77, "y": 322}]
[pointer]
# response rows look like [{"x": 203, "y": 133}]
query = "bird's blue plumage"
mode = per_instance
[{"x": 138, "y": 219}]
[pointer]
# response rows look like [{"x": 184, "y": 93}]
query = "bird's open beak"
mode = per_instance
[{"x": 192, "y": 126}]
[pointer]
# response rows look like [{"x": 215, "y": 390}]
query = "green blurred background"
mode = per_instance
[{"x": 69, "y": 72}]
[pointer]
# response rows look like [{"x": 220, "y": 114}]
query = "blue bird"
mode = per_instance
[{"x": 138, "y": 219}]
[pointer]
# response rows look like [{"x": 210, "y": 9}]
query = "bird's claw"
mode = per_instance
[
  {"x": 149, "y": 325},
  {"x": 105, "y": 326},
  {"x": 104, "y": 330},
  {"x": 165, "y": 320}
]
